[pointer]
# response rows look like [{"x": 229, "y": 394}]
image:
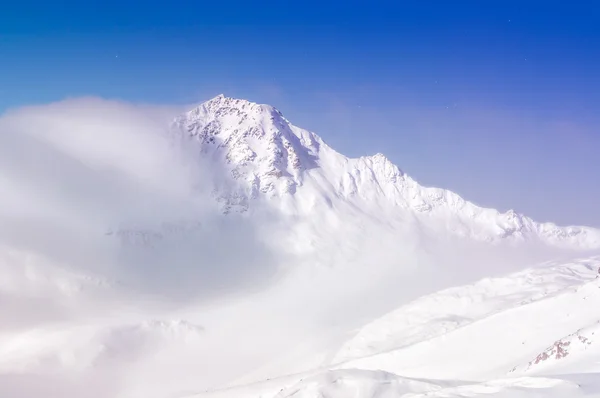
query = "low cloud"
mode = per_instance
[{"x": 78, "y": 175}]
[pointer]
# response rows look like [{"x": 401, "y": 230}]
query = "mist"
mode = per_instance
[
  {"x": 107, "y": 217},
  {"x": 78, "y": 175}
]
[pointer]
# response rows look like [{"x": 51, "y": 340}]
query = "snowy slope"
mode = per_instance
[
  {"x": 578, "y": 350},
  {"x": 497, "y": 332},
  {"x": 271, "y": 156},
  {"x": 442, "y": 312},
  {"x": 356, "y": 383},
  {"x": 504, "y": 324}
]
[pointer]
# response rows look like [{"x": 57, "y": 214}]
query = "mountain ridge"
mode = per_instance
[{"x": 270, "y": 156}]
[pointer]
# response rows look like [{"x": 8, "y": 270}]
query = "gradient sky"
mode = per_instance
[{"x": 497, "y": 101}]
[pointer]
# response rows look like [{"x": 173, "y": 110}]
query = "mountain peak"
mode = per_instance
[
  {"x": 255, "y": 141},
  {"x": 380, "y": 162},
  {"x": 222, "y": 104}
]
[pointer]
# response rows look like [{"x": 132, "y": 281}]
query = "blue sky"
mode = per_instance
[{"x": 497, "y": 101}]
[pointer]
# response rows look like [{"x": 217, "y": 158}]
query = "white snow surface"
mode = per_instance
[{"x": 318, "y": 276}]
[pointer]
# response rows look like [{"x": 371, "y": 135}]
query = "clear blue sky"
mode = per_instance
[{"x": 496, "y": 100}]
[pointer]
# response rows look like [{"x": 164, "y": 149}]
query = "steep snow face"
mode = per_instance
[{"x": 299, "y": 172}]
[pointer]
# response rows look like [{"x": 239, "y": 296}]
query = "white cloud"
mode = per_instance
[{"x": 73, "y": 170}]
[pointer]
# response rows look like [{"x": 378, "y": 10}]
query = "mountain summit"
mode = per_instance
[{"x": 299, "y": 172}]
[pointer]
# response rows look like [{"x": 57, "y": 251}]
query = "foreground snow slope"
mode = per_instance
[
  {"x": 445, "y": 311},
  {"x": 489, "y": 338},
  {"x": 540, "y": 322},
  {"x": 355, "y": 383}
]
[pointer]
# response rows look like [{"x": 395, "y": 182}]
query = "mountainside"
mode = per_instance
[{"x": 268, "y": 155}]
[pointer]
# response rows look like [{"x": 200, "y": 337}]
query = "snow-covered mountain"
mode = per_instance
[
  {"x": 293, "y": 271},
  {"x": 272, "y": 157}
]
